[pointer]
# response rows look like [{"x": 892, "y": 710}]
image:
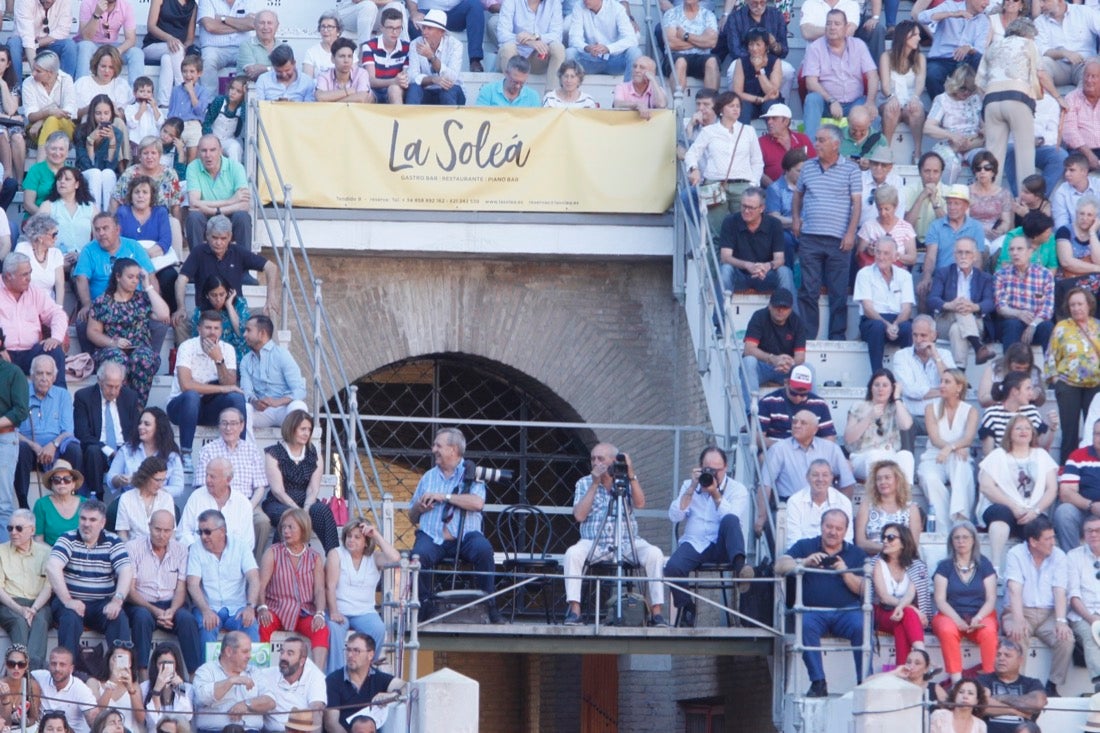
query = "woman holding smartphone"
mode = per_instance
[
  {"x": 120, "y": 689},
  {"x": 166, "y": 693}
]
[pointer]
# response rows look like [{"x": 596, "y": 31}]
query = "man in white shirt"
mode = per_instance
[
  {"x": 886, "y": 300},
  {"x": 1084, "y": 594},
  {"x": 919, "y": 369},
  {"x": 42, "y": 25},
  {"x": 1036, "y": 572},
  {"x": 65, "y": 692},
  {"x": 226, "y": 691},
  {"x": 880, "y": 173},
  {"x": 205, "y": 382},
  {"x": 1066, "y": 37},
  {"x": 805, "y": 506},
  {"x": 223, "y": 26},
  {"x": 602, "y": 38},
  {"x": 297, "y": 684},
  {"x": 217, "y": 494},
  {"x": 435, "y": 65},
  {"x": 715, "y": 510}
]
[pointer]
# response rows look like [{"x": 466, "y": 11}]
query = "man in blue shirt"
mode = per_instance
[
  {"x": 92, "y": 273},
  {"x": 270, "y": 378},
  {"x": 512, "y": 90},
  {"x": 707, "y": 505},
  {"x": 943, "y": 233},
  {"x": 447, "y": 507},
  {"x": 1078, "y": 491},
  {"x": 962, "y": 30},
  {"x": 841, "y": 593},
  {"x": 47, "y": 433},
  {"x": 284, "y": 83}
]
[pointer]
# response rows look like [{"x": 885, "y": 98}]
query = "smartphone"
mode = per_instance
[
  {"x": 829, "y": 561},
  {"x": 168, "y": 668},
  {"x": 123, "y": 661}
]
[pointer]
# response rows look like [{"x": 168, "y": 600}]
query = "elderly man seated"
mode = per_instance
[
  {"x": 435, "y": 65},
  {"x": 886, "y": 300},
  {"x": 25, "y": 314},
  {"x": 225, "y": 690},
  {"x": 222, "y": 27},
  {"x": 222, "y": 487},
  {"x": 24, "y": 592},
  {"x": 751, "y": 248},
  {"x": 643, "y": 92},
  {"x": 217, "y": 186},
  {"x": 254, "y": 54},
  {"x": 222, "y": 580},
  {"x": 860, "y": 141},
  {"x": 963, "y": 315},
  {"x": 48, "y": 432},
  {"x": 512, "y": 90},
  {"x": 1024, "y": 296},
  {"x": 787, "y": 462},
  {"x": 806, "y": 506}
]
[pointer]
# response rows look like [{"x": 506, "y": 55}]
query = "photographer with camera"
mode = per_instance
[
  {"x": 591, "y": 500},
  {"x": 840, "y": 593},
  {"x": 715, "y": 510}
]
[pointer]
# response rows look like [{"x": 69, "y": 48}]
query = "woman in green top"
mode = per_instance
[
  {"x": 57, "y": 512},
  {"x": 41, "y": 175}
]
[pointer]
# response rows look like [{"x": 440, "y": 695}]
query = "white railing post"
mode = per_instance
[
  {"x": 352, "y": 410},
  {"x": 317, "y": 345}
]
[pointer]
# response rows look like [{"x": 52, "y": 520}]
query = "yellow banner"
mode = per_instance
[{"x": 360, "y": 156}]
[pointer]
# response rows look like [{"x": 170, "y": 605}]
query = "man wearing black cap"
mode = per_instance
[
  {"x": 775, "y": 341},
  {"x": 751, "y": 248}
]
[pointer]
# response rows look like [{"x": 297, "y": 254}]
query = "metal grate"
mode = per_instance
[{"x": 454, "y": 387}]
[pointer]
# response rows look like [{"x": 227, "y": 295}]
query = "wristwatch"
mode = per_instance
[
  {"x": 448, "y": 498},
  {"x": 119, "y": 596},
  {"x": 222, "y": 19}
]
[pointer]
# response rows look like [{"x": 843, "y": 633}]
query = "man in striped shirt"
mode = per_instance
[
  {"x": 386, "y": 59},
  {"x": 90, "y": 573}
]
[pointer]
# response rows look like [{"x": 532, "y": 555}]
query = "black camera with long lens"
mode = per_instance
[
  {"x": 620, "y": 475},
  {"x": 707, "y": 478}
]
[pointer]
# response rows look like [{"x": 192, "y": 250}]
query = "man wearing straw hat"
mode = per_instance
[{"x": 435, "y": 64}]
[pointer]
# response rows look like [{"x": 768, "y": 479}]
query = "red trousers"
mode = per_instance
[
  {"x": 905, "y": 632},
  {"x": 303, "y": 627},
  {"x": 951, "y": 642}
]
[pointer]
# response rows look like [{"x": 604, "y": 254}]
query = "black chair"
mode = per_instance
[
  {"x": 724, "y": 571},
  {"x": 527, "y": 536}
]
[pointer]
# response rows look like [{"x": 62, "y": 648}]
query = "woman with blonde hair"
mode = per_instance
[
  {"x": 888, "y": 500},
  {"x": 952, "y": 425}
]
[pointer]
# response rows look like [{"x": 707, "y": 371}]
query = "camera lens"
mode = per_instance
[{"x": 706, "y": 479}]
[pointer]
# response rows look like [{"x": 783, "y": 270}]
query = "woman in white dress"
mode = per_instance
[
  {"x": 952, "y": 424},
  {"x": 352, "y": 572},
  {"x": 901, "y": 75},
  {"x": 136, "y": 507}
]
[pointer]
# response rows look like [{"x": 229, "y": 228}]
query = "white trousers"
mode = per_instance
[{"x": 651, "y": 558}]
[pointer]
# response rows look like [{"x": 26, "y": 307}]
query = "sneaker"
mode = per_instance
[
  {"x": 658, "y": 620},
  {"x": 188, "y": 464},
  {"x": 1052, "y": 690},
  {"x": 476, "y": 67},
  {"x": 818, "y": 689},
  {"x": 572, "y": 619},
  {"x": 687, "y": 617}
]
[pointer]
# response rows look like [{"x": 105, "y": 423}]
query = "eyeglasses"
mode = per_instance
[
  {"x": 208, "y": 532},
  {"x": 15, "y": 528},
  {"x": 878, "y": 427},
  {"x": 229, "y": 423},
  {"x": 889, "y": 537},
  {"x": 62, "y": 480},
  {"x": 328, "y": 26},
  {"x": 12, "y": 664},
  {"x": 52, "y": 235}
]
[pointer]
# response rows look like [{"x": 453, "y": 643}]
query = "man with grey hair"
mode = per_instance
[
  {"x": 1067, "y": 36},
  {"x": 962, "y": 300},
  {"x": 222, "y": 580},
  {"x": 787, "y": 462},
  {"x": 25, "y": 313},
  {"x": 24, "y": 592},
  {"x": 806, "y": 506},
  {"x": 215, "y": 256},
  {"x": 49, "y": 434},
  {"x": 592, "y": 499},
  {"x": 751, "y": 248},
  {"x": 225, "y": 690},
  {"x": 824, "y": 218},
  {"x": 886, "y": 300},
  {"x": 1013, "y": 697},
  {"x": 447, "y": 507},
  {"x": 215, "y": 491},
  {"x": 919, "y": 369},
  {"x": 1080, "y": 125},
  {"x": 254, "y": 55},
  {"x": 104, "y": 414}
]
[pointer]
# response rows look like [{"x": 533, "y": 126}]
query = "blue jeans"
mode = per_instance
[
  {"x": 1011, "y": 329},
  {"x": 940, "y": 68},
  {"x": 228, "y": 622},
  {"x": 735, "y": 280},
  {"x": 1049, "y": 161},
  {"x": 756, "y": 372},
  {"x": 134, "y": 59},
  {"x": 191, "y": 409},
  {"x": 370, "y": 624},
  {"x": 70, "y": 626},
  {"x": 468, "y": 15},
  {"x": 873, "y": 333},
  {"x": 419, "y": 94},
  {"x": 814, "y": 109},
  {"x": 845, "y": 624},
  {"x": 184, "y": 628},
  {"x": 9, "y": 457},
  {"x": 726, "y": 548},
  {"x": 616, "y": 63},
  {"x": 65, "y": 50},
  {"x": 475, "y": 550}
]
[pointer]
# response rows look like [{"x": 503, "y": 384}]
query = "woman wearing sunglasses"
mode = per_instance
[
  {"x": 16, "y": 674},
  {"x": 899, "y": 581},
  {"x": 57, "y": 512},
  {"x": 1018, "y": 482}
]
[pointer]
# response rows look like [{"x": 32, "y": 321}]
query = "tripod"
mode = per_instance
[{"x": 618, "y": 511}]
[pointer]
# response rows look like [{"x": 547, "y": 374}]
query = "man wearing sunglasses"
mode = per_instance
[
  {"x": 1037, "y": 602},
  {"x": 777, "y": 409},
  {"x": 24, "y": 592}
]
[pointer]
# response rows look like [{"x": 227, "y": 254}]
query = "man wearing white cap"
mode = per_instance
[
  {"x": 456, "y": 15},
  {"x": 939, "y": 242},
  {"x": 435, "y": 64},
  {"x": 780, "y": 138},
  {"x": 776, "y": 408}
]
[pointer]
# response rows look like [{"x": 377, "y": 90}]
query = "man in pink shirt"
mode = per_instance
[
  {"x": 23, "y": 312},
  {"x": 1081, "y": 128},
  {"x": 643, "y": 91},
  {"x": 840, "y": 74},
  {"x": 108, "y": 22}
]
